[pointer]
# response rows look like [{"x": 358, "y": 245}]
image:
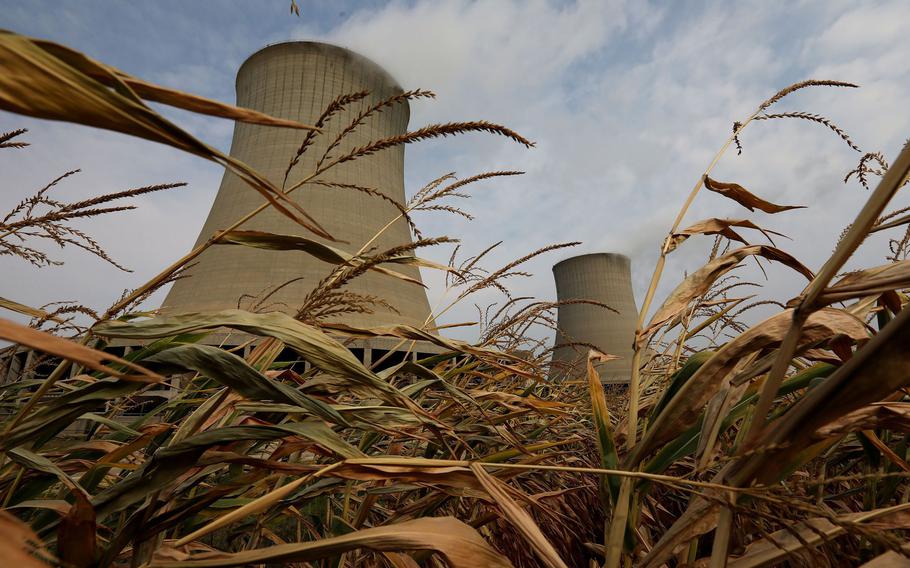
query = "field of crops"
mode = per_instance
[{"x": 738, "y": 442}]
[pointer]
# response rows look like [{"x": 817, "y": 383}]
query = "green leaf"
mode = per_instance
[
  {"x": 679, "y": 379},
  {"x": 315, "y": 346},
  {"x": 169, "y": 463},
  {"x": 58, "y": 413},
  {"x": 609, "y": 458},
  {"x": 31, "y": 460},
  {"x": 234, "y": 372}
]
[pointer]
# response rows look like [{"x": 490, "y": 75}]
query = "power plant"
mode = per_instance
[
  {"x": 297, "y": 81},
  {"x": 605, "y": 278}
]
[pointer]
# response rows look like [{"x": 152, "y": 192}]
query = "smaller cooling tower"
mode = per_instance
[{"x": 605, "y": 278}]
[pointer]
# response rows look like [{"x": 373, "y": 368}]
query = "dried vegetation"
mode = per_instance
[{"x": 782, "y": 442}]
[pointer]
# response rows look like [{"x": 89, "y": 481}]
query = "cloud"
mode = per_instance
[
  {"x": 849, "y": 35},
  {"x": 628, "y": 104}
]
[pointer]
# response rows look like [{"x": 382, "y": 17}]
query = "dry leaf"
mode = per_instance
[
  {"x": 29, "y": 311},
  {"x": 723, "y": 227},
  {"x": 875, "y": 371},
  {"x": 460, "y": 545},
  {"x": 408, "y": 470},
  {"x": 742, "y": 196},
  {"x": 519, "y": 518},
  {"x": 861, "y": 283},
  {"x": 779, "y": 545},
  {"x": 325, "y": 253},
  {"x": 52, "y": 82},
  {"x": 20, "y": 546},
  {"x": 702, "y": 279},
  {"x": 72, "y": 351},
  {"x": 683, "y": 410},
  {"x": 884, "y": 415}
]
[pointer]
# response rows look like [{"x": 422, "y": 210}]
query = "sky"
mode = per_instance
[{"x": 627, "y": 102}]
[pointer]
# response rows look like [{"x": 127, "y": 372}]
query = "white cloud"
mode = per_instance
[
  {"x": 628, "y": 112},
  {"x": 863, "y": 30}
]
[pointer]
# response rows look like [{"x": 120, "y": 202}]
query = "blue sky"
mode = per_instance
[{"x": 628, "y": 101}]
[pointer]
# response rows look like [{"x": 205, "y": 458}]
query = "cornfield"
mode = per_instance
[{"x": 783, "y": 442}]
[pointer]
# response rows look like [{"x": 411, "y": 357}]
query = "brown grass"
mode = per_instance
[{"x": 784, "y": 441}]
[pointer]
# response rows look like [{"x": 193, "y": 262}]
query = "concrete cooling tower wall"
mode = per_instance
[
  {"x": 296, "y": 81},
  {"x": 605, "y": 278}
]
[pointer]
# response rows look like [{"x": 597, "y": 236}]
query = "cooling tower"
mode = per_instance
[
  {"x": 296, "y": 81},
  {"x": 605, "y": 278}
]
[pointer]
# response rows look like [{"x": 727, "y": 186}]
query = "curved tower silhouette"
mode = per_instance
[
  {"x": 297, "y": 80},
  {"x": 605, "y": 278}
]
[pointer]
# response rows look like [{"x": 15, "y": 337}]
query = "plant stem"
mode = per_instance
[
  {"x": 635, "y": 379},
  {"x": 722, "y": 538}
]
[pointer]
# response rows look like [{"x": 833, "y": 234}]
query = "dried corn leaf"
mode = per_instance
[
  {"x": 742, "y": 196},
  {"x": 113, "y": 77},
  {"x": 519, "y": 518},
  {"x": 678, "y": 379},
  {"x": 723, "y": 227},
  {"x": 891, "y": 559},
  {"x": 699, "y": 518},
  {"x": 517, "y": 402},
  {"x": 683, "y": 410},
  {"x": 72, "y": 351},
  {"x": 874, "y": 372},
  {"x": 76, "y": 537},
  {"x": 902, "y": 220},
  {"x": 29, "y": 311},
  {"x": 325, "y": 253},
  {"x": 879, "y": 415},
  {"x": 460, "y": 545},
  {"x": 446, "y": 473},
  {"x": 54, "y": 84},
  {"x": 778, "y": 546},
  {"x": 701, "y": 280},
  {"x": 861, "y": 283},
  {"x": 20, "y": 546},
  {"x": 713, "y": 417}
]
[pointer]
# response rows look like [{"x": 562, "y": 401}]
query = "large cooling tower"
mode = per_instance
[
  {"x": 605, "y": 278},
  {"x": 296, "y": 81}
]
